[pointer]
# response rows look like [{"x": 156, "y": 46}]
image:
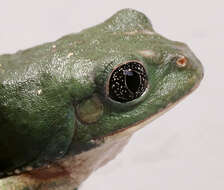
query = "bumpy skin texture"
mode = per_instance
[{"x": 41, "y": 88}]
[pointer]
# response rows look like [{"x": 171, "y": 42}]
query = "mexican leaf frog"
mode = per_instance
[{"x": 68, "y": 107}]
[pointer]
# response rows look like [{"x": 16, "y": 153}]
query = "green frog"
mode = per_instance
[{"x": 68, "y": 107}]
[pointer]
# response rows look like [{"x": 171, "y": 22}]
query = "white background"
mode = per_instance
[{"x": 183, "y": 149}]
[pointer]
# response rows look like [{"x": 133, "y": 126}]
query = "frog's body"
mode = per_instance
[{"x": 57, "y": 117}]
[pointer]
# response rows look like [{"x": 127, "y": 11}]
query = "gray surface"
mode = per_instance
[{"x": 182, "y": 149}]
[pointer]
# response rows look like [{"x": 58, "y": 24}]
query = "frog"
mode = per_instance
[{"x": 70, "y": 106}]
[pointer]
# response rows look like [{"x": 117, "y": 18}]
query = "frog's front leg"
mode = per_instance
[{"x": 59, "y": 143}]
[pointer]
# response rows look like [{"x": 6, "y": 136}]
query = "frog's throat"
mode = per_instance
[{"x": 69, "y": 172}]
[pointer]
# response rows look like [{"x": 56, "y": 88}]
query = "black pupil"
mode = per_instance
[
  {"x": 133, "y": 81},
  {"x": 127, "y": 82}
]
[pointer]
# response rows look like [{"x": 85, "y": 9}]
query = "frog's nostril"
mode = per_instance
[{"x": 181, "y": 62}]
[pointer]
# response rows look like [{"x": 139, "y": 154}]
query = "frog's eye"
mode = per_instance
[{"x": 127, "y": 82}]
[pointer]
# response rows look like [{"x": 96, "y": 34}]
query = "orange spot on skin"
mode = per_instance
[{"x": 181, "y": 62}]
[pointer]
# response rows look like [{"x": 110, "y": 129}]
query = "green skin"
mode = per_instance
[{"x": 55, "y": 94}]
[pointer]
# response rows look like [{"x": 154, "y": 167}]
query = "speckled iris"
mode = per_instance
[{"x": 128, "y": 82}]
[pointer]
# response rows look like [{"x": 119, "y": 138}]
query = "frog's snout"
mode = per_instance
[
  {"x": 194, "y": 66},
  {"x": 188, "y": 61},
  {"x": 200, "y": 71},
  {"x": 197, "y": 69}
]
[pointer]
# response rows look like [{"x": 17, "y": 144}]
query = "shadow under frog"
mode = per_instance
[{"x": 69, "y": 106}]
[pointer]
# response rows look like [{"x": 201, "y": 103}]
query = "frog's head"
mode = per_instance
[
  {"x": 118, "y": 76},
  {"x": 139, "y": 75}
]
